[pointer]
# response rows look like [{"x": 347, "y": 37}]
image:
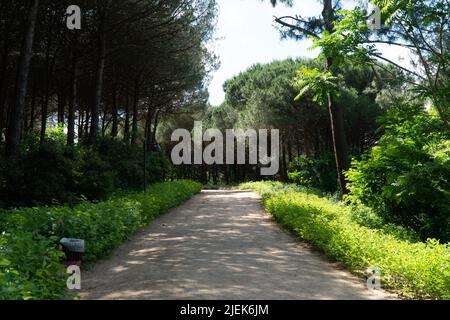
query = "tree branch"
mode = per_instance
[
  {"x": 295, "y": 27},
  {"x": 399, "y": 66}
]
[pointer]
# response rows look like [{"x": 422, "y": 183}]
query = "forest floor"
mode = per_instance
[{"x": 220, "y": 245}]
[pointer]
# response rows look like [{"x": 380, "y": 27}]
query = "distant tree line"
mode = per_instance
[{"x": 263, "y": 97}]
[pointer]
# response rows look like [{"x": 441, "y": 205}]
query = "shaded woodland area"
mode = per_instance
[
  {"x": 77, "y": 106},
  {"x": 87, "y": 116},
  {"x": 130, "y": 62},
  {"x": 106, "y": 86}
]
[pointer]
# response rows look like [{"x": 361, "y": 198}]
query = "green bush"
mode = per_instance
[
  {"x": 317, "y": 173},
  {"x": 367, "y": 217},
  {"x": 29, "y": 251},
  {"x": 96, "y": 177},
  {"x": 405, "y": 179},
  {"x": 30, "y": 267},
  {"x": 53, "y": 173},
  {"x": 42, "y": 174},
  {"x": 418, "y": 269}
]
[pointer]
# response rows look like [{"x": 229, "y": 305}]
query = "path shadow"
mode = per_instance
[{"x": 219, "y": 245}]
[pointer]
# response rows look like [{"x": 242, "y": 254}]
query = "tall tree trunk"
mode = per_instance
[
  {"x": 25, "y": 119},
  {"x": 9, "y": 110},
  {"x": 126, "y": 133},
  {"x": 134, "y": 130},
  {"x": 14, "y": 127},
  {"x": 336, "y": 114},
  {"x": 44, "y": 113},
  {"x": 33, "y": 108},
  {"x": 148, "y": 127},
  {"x": 81, "y": 125},
  {"x": 44, "y": 108},
  {"x": 289, "y": 149},
  {"x": 48, "y": 84},
  {"x": 95, "y": 113},
  {"x": 72, "y": 105},
  {"x": 105, "y": 124},
  {"x": 155, "y": 127},
  {"x": 86, "y": 124},
  {"x": 3, "y": 68},
  {"x": 115, "y": 125},
  {"x": 73, "y": 91},
  {"x": 61, "y": 105}
]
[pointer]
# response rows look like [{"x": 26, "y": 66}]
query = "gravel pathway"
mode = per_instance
[{"x": 220, "y": 245}]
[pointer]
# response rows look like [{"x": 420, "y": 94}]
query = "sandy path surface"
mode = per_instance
[{"x": 220, "y": 245}]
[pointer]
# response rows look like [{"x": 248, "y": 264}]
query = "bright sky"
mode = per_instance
[{"x": 246, "y": 34}]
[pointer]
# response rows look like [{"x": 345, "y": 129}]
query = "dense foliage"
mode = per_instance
[
  {"x": 406, "y": 177},
  {"x": 53, "y": 172},
  {"x": 417, "y": 269},
  {"x": 130, "y": 63},
  {"x": 30, "y": 256},
  {"x": 263, "y": 97},
  {"x": 319, "y": 173},
  {"x": 138, "y": 70},
  {"x": 421, "y": 27}
]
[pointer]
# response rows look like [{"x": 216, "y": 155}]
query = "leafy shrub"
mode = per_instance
[
  {"x": 43, "y": 174},
  {"x": 367, "y": 217},
  {"x": 317, "y": 173},
  {"x": 52, "y": 172},
  {"x": 29, "y": 251},
  {"x": 123, "y": 160},
  {"x": 405, "y": 179},
  {"x": 420, "y": 269},
  {"x": 29, "y": 267},
  {"x": 159, "y": 167},
  {"x": 96, "y": 176}
]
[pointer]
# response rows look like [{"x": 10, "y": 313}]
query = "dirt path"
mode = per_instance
[{"x": 219, "y": 245}]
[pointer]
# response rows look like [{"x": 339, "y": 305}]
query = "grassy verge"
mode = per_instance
[
  {"x": 29, "y": 251},
  {"x": 417, "y": 269}
]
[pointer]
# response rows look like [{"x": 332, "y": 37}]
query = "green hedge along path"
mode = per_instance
[
  {"x": 30, "y": 255},
  {"x": 220, "y": 245}
]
